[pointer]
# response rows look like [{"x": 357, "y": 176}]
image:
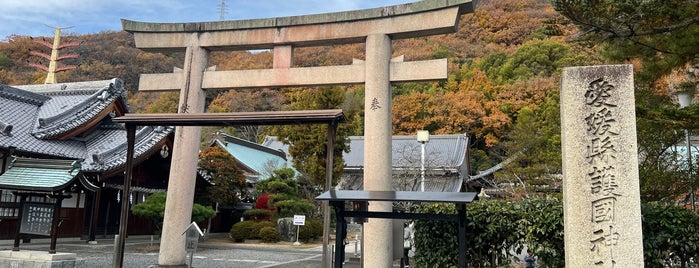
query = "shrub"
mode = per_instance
[
  {"x": 498, "y": 229},
  {"x": 259, "y": 214},
  {"x": 311, "y": 230},
  {"x": 670, "y": 233},
  {"x": 258, "y": 226},
  {"x": 269, "y": 235},
  {"x": 242, "y": 230},
  {"x": 154, "y": 209}
]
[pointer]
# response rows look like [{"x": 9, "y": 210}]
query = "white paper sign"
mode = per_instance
[{"x": 299, "y": 219}]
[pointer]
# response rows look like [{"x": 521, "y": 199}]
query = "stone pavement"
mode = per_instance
[{"x": 217, "y": 251}]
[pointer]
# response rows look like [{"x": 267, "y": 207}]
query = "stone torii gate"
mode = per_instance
[{"x": 375, "y": 27}]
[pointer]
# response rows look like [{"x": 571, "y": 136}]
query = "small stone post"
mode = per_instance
[{"x": 601, "y": 198}]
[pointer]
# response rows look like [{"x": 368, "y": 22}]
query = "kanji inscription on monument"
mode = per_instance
[{"x": 601, "y": 198}]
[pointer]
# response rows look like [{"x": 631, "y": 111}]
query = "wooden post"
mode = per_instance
[
  {"x": 462, "y": 235},
  {"x": 94, "y": 213},
  {"x": 54, "y": 222},
  {"x": 332, "y": 130},
  {"x": 339, "y": 232},
  {"x": 124, "y": 219},
  {"x": 22, "y": 199}
]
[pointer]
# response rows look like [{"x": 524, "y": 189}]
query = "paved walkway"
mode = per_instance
[{"x": 217, "y": 251}]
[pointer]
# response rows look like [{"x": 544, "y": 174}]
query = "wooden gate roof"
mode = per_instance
[{"x": 235, "y": 119}]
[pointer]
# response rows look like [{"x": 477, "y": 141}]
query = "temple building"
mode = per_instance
[
  {"x": 446, "y": 164},
  {"x": 57, "y": 141}
]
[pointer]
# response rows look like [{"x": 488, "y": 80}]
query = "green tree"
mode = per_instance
[
  {"x": 534, "y": 144},
  {"x": 662, "y": 34},
  {"x": 543, "y": 58},
  {"x": 308, "y": 143},
  {"x": 283, "y": 188},
  {"x": 228, "y": 180},
  {"x": 5, "y": 62},
  {"x": 154, "y": 209},
  {"x": 164, "y": 103}
]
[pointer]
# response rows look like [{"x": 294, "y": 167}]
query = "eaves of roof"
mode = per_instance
[
  {"x": 255, "y": 157},
  {"x": 41, "y": 175},
  {"x": 75, "y": 105},
  {"x": 107, "y": 152},
  {"x": 442, "y": 151},
  {"x": 15, "y": 94}
]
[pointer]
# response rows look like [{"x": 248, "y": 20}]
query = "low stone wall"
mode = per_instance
[{"x": 39, "y": 259}]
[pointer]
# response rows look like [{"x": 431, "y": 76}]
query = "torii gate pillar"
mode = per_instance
[
  {"x": 378, "y": 246},
  {"x": 180, "y": 193}
]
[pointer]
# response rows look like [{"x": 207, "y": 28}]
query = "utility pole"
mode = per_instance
[{"x": 54, "y": 58}]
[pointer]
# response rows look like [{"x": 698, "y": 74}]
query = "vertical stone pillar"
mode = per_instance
[
  {"x": 377, "y": 251},
  {"x": 283, "y": 57},
  {"x": 601, "y": 196},
  {"x": 185, "y": 154}
]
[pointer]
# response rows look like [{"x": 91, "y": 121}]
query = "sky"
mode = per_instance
[{"x": 38, "y": 17}]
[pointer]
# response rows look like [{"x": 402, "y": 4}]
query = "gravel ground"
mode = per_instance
[{"x": 212, "y": 253}]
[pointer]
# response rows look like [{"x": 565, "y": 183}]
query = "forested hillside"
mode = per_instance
[{"x": 502, "y": 91}]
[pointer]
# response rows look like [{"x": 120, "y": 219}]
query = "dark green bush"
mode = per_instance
[
  {"x": 495, "y": 228},
  {"x": 245, "y": 230},
  {"x": 311, "y": 230},
  {"x": 670, "y": 233},
  {"x": 241, "y": 231},
  {"x": 269, "y": 235},
  {"x": 669, "y": 229},
  {"x": 255, "y": 231}
]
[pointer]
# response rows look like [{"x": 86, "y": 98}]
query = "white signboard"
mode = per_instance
[
  {"x": 299, "y": 219},
  {"x": 192, "y": 237}
]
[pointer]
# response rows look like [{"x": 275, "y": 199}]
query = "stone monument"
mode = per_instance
[{"x": 601, "y": 195}]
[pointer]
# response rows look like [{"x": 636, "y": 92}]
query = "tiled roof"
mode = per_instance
[
  {"x": 8, "y": 92},
  {"x": 274, "y": 143},
  {"x": 442, "y": 151},
  {"x": 260, "y": 159},
  {"x": 446, "y": 162},
  {"x": 40, "y": 174},
  {"x": 106, "y": 149},
  {"x": 432, "y": 183},
  {"x": 73, "y": 104},
  {"x": 62, "y": 108}
]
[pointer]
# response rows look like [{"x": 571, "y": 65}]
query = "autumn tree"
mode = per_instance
[{"x": 228, "y": 181}]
